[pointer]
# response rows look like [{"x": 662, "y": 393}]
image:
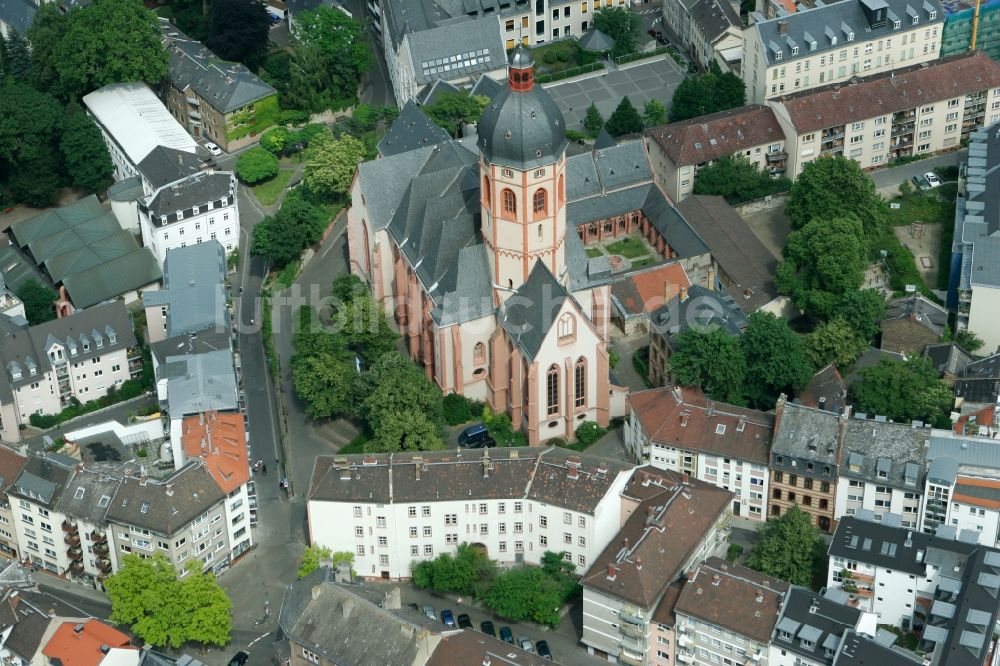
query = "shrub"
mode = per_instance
[
  {"x": 293, "y": 117},
  {"x": 128, "y": 390},
  {"x": 256, "y": 165},
  {"x": 550, "y": 57},
  {"x": 43, "y": 421},
  {"x": 556, "y": 441},
  {"x": 563, "y": 55},
  {"x": 589, "y": 432},
  {"x": 575, "y": 135},
  {"x": 274, "y": 140},
  {"x": 734, "y": 551},
  {"x": 456, "y": 409}
]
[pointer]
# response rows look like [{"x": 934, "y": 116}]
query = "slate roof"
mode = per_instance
[
  {"x": 203, "y": 341},
  {"x": 893, "y": 548},
  {"x": 200, "y": 382},
  {"x": 702, "y": 310},
  {"x": 605, "y": 169},
  {"x": 663, "y": 534},
  {"x": 486, "y": 86},
  {"x": 740, "y": 254},
  {"x": 596, "y": 41},
  {"x": 825, "y": 626},
  {"x": 196, "y": 190},
  {"x": 541, "y": 474},
  {"x": 733, "y": 597},
  {"x": 948, "y": 357},
  {"x": 911, "y": 323},
  {"x": 804, "y": 432},
  {"x": 227, "y": 86},
  {"x": 194, "y": 289},
  {"x": 18, "y": 14},
  {"x": 977, "y": 218},
  {"x": 969, "y": 631},
  {"x": 431, "y": 94},
  {"x": 826, "y": 390},
  {"x": 888, "y": 93},
  {"x": 884, "y": 453},
  {"x": 531, "y": 311},
  {"x": 164, "y": 165},
  {"x": 129, "y": 189},
  {"x": 715, "y": 135},
  {"x": 980, "y": 381},
  {"x": 412, "y": 129},
  {"x": 948, "y": 453},
  {"x": 168, "y": 505},
  {"x": 43, "y": 479},
  {"x": 686, "y": 419},
  {"x": 828, "y": 26},
  {"x": 469, "y": 646},
  {"x": 713, "y": 18},
  {"x": 87, "y": 495},
  {"x": 860, "y": 650}
]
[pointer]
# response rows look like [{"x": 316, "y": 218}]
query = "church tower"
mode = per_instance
[{"x": 522, "y": 164}]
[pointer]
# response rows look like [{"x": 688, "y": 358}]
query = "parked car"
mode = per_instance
[
  {"x": 932, "y": 179},
  {"x": 487, "y": 628},
  {"x": 506, "y": 635},
  {"x": 448, "y": 618},
  {"x": 476, "y": 437},
  {"x": 430, "y": 612},
  {"x": 413, "y": 606},
  {"x": 239, "y": 659},
  {"x": 464, "y": 621},
  {"x": 543, "y": 649},
  {"x": 920, "y": 182},
  {"x": 525, "y": 644},
  {"x": 212, "y": 148}
]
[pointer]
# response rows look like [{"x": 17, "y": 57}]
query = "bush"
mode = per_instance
[
  {"x": 947, "y": 173},
  {"x": 128, "y": 390},
  {"x": 256, "y": 165},
  {"x": 589, "y": 432},
  {"x": 456, "y": 409},
  {"x": 550, "y": 57},
  {"x": 575, "y": 135},
  {"x": 562, "y": 55},
  {"x": 293, "y": 117},
  {"x": 43, "y": 421},
  {"x": 733, "y": 552},
  {"x": 556, "y": 441},
  {"x": 274, "y": 140}
]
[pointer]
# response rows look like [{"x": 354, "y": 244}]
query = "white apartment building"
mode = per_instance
[
  {"x": 394, "y": 511},
  {"x": 814, "y": 627},
  {"x": 711, "y": 30},
  {"x": 81, "y": 356},
  {"x": 918, "y": 110},
  {"x": 727, "y": 446},
  {"x": 837, "y": 42},
  {"x": 881, "y": 469},
  {"x": 668, "y": 525}
]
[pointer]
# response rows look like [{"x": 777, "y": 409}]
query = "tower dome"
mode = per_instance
[{"x": 522, "y": 127}]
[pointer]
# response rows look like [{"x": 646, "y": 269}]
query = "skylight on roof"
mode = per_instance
[
  {"x": 104, "y": 501},
  {"x": 79, "y": 493},
  {"x": 144, "y": 508}
]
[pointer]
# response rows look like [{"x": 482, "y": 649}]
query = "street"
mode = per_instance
[{"x": 887, "y": 180}]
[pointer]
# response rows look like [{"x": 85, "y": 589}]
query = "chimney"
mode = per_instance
[
  {"x": 759, "y": 598},
  {"x": 686, "y": 478},
  {"x": 626, "y": 542},
  {"x": 105, "y": 649},
  {"x": 78, "y": 630},
  {"x": 170, "y": 490},
  {"x": 684, "y": 294},
  {"x": 783, "y": 27},
  {"x": 315, "y": 592},
  {"x": 638, "y": 563},
  {"x": 692, "y": 575},
  {"x": 668, "y": 288},
  {"x": 612, "y": 571},
  {"x": 486, "y": 661},
  {"x": 711, "y": 278},
  {"x": 416, "y": 471}
]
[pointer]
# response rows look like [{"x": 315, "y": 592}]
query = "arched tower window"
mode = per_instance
[
  {"x": 566, "y": 327},
  {"x": 479, "y": 353},
  {"x": 509, "y": 202},
  {"x": 562, "y": 190},
  {"x": 487, "y": 199},
  {"x": 580, "y": 382},
  {"x": 368, "y": 251},
  {"x": 552, "y": 390},
  {"x": 539, "y": 203}
]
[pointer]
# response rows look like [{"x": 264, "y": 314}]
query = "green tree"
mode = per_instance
[
  {"x": 85, "y": 154},
  {"x": 29, "y": 125},
  {"x": 593, "y": 121},
  {"x": 108, "y": 41},
  {"x": 469, "y": 572},
  {"x": 714, "y": 361},
  {"x": 654, "y": 113},
  {"x": 836, "y": 187},
  {"x": 39, "y": 301},
  {"x": 787, "y": 548},
  {"x": 274, "y": 140},
  {"x": 968, "y": 341},
  {"x": 37, "y": 181},
  {"x": 707, "y": 93},
  {"x": 729, "y": 91},
  {"x": 45, "y": 35},
  {"x": 904, "y": 391},
  {"x": 621, "y": 25},
  {"x": 834, "y": 342},
  {"x": 624, "y": 120},
  {"x": 737, "y": 179},
  {"x": 256, "y": 165},
  {"x": 327, "y": 382},
  {"x": 527, "y": 593},
  {"x": 331, "y": 163},
  {"x": 407, "y": 430},
  {"x": 206, "y": 617},
  {"x": 314, "y": 556},
  {"x": 17, "y": 56},
  {"x": 862, "y": 310},
  {"x": 238, "y": 30},
  {"x": 340, "y": 42},
  {"x": 775, "y": 358},
  {"x": 396, "y": 386},
  {"x": 452, "y": 110}
]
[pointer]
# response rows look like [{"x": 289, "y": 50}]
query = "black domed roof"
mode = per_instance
[{"x": 522, "y": 129}]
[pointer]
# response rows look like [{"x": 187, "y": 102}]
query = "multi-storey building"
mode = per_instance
[
  {"x": 918, "y": 110},
  {"x": 394, "y": 511},
  {"x": 727, "y": 612},
  {"x": 11, "y": 464},
  {"x": 711, "y": 30},
  {"x": 881, "y": 469},
  {"x": 962, "y": 489},
  {"x": 10, "y": 304},
  {"x": 193, "y": 297},
  {"x": 677, "y": 151},
  {"x": 805, "y": 453},
  {"x": 81, "y": 356},
  {"x": 669, "y": 524},
  {"x": 813, "y": 626},
  {"x": 727, "y": 446},
  {"x": 836, "y": 42}
]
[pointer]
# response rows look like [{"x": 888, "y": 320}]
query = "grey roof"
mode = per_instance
[
  {"x": 197, "y": 190},
  {"x": 606, "y": 168},
  {"x": 596, "y": 41},
  {"x": 817, "y": 619},
  {"x": 194, "y": 289},
  {"x": 895, "y": 548},
  {"x": 828, "y": 26},
  {"x": 165, "y": 506},
  {"x": 703, "y": 310},
  {"x": 943, "y": 470},
  {"x": 30, "y": 613},
  {"x": 948, "y": 357},
  {"x": 531, "y": 311},
  {"x": 164, "y": 165},
  {"x": 83, "y": 494},
  {"x": 980, "y": 381},
  {"x": 412, "y": 129},
  {"x": 713, "y": 18},
  {"x": 18, "y": 14},
  {"x": 860, "y": 650},
  {"x": 129, "y": 189},
  {"x": 806, "y": 433},
  {"x": 977, "y": 219},
  {"x": 103, "y": 449},
  {"x": 43, "y": 479},
  {"x": 200, "y": 342},
  {"x": 431, "y": 94},
  {"x": 969, "y": 452},
  {"x": 486, "y": 86},
  {"x": 227, "y": 86},
  {"x": 884, "y": 453},
  {"x": 965, "y": 638},
  {"x": 604, "y": 140},
  {"x": 200, "y": 382}
]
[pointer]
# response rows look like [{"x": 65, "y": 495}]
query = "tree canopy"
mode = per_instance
[
  {"x": 330, "y": 165},
  {"x": 862, "y": 309},
  {"x": 622, "y": 25},
  {"x": 16, "y": 56},
  {"x": 788, "y": 548},
  {"x": 654, "y": 113},
  {"x": 775, "y": 358},
  {"x": 707, "y": 93},
  {"x": 38, "y": 301},
  {"x": 256, "y": 165},
  {"x": 451, "y": 110},
  {"x": 593, "y": 121},
  {"x": 468, "y": 572},
  {"x": 238, "y": 30},
  {"x": 163, "y": 610},
  {"x": 85, "y": 154},
  {"x": 836, "y": 187},
  {"x": 298, "y": 224},
  {"x": 905, "y": 391},
  {"x": 835, "y": 342},
  {"x": 624, "y": 120},
  {"x": 714, "y": 361},
  {"x": 737, "y": 179}
]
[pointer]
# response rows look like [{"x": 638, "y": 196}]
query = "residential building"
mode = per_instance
[
  {"x": 11, "y": 464},
  {"x": 963, "y": 484},
  {"x": 90, "y": 643},
  {"x": 86, "y": 253},
  {"x": 857, "y": 648},
  {"x": 805, "y": 453},
  {"x": 30, "y": 620},
  {"x": 974, "y": 286},
  {"x": 979, "y": 382},
  {"x": 194, "y": 295},
  {"x": 683, "y": 431},
  {"x": 826, "y": 390},
  {"x": 881, "y": 469},
  {"x": 836, "y": 42},
  {"x": 882, "y": 117},
  {"x": 727, "y": 611},
  {"x": 515, "y": 504},
  {"x": 668, "y": 525},
  {"x": 711, "y": 30},
  {"x": 133, "y": 122},
  {"x": 192, "y": 384},
  {"x": 746, "y": 267},
  {"x": 695, "y": 309},
  {"x": 949, "y": 359},
  {"x": 10, "y": 304},
  {"x": 82, "y": 356},
  {"x": 469, "y": 646},
  {"x": 911, "y": 323},
  {"x": 677, "y": 151},
  {"x": 223, "y": 102},
  {"x": 635, "y": 295},
  {"x": 813, "y": 626},
  {"x": 663, "y": 632}
]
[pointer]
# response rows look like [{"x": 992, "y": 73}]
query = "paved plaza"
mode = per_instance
[{"x": 656, "y": 78}]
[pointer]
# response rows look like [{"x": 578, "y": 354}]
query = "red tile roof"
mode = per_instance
[
  {"x": 883, "y": 94},
  {"x": 83, "y": 648},
  {"x": 705, "y": 138},
  {"x": 685, "y": 418},
  {"x": 650, "y": 289},
  {"x": 980, "y": 492},
  {"x": 985, "y": 418},
  {"x": 220, "y": 440}
]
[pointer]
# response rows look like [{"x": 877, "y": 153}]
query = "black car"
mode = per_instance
[
  {"x": 464, "y": 621},
  {"x": 239, "y": 659},
  {"x": 506, "y": 635},
  {"x": 487, "y": 628},
  {"x": 542, "y": 647},
  {"x": 476, "y": 437}
]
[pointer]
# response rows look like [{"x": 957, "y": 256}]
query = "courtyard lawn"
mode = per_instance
[
  {"x": 923, "y": 207},
  {"x": 630, "y": 248},
  {"x": 557, "y": 56},
  {"x": 267, "y": 193},
  {"x": 642, "y": 263},
  {"x": 594, "y": 252}
]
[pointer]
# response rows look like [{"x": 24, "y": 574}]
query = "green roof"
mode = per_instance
[{"x": 105, "y": 281}]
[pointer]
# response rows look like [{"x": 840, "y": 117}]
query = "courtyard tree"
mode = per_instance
[
  {"x": 340, "y": 42},
  {"x": 862, "y": 309},
  {"x": 593, "y": 121},
  {"x": 85, "y": 154},
  {"x": 330, "y": 165},
  {"x": 622, "y": 25},
  {"x": 835, "y": 187},
  {"x": 713, "y": 361},
  {"x": 707, "y": 93},
  {"x": 316, "y": 556},
  {"x": 397, "y": 386},
  {"x": 327, "y": 382},
  {"x": 238, "y": 30},
  {"x": 968, "y": 341},
  {"x": 775, "y": 359},
  {"x": 788, "y": 548},
  {"x": 44, "y": 35},
  {"x": 527, "y": 593},
  {"x": 904, "y": 391},
  {"x": 834, "y": 342},
  {"x": 468, "y": 572},
  {"x": 624, "y": 120},
  {"x": 16, "y": 56},
  {"x": 737, "y": 179},
  {"x": 654, "y": 113},
  {"x": 452, "y": 110},
  {"x": 256, "y": 165},
  {"x": 39, "y": 301},
  {"x": 406, "y": 430}
]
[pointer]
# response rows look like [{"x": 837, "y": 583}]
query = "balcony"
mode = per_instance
[
  {"x": 833, "y": 134},
  {"x": 777, "y": 157},
  {"x": 70, "y": 526},
  {"x": 104, "y": 564},
  {"x": 626, "y": 615},
  {"x": 74, "y": 553},
  {"x": 193, "y": 101},
  {"x": 101, "y": 548},
  {"x": 625, "y": 657},
  {"x": 633, "y": 630},
  {"x": 72, "y": 539},
  {"x": 685, "y": 657},
  {"x": 76, "y": 567},
  {"x": 98, "y": 537},
  {"x": 835, "y": 150}
]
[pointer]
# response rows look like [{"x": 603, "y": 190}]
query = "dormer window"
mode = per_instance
[
  {"x": 777, "y": 55},
  {"x": 180, "y": 215},
  {"x": 850, "y": 36},
  {"x": 795, "y": 50},
  {"x": 163, "y": 219},
  {"x": 915, "y": 20},
  {"x": 194, "y": 210},
  {"x": 112, "y": 338},
  {"x": 933, "y": 14},
  {"x": 895, "y": 25},
  {"x": 32, "y": 370},
  {"x": 86, "y": 346}
]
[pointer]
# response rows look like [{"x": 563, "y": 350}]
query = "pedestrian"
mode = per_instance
[
  {"x": 265, "y": 470},
  {"x": 276, "y": 463}
]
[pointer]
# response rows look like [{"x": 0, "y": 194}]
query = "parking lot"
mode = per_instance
[{"x": 656, "y": 78}]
